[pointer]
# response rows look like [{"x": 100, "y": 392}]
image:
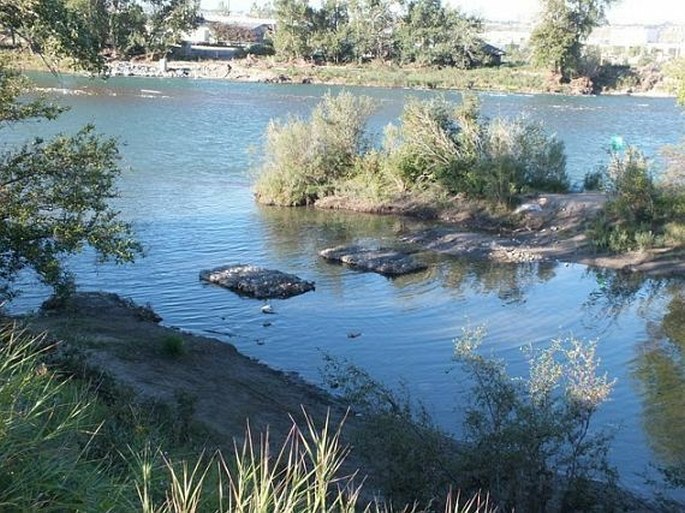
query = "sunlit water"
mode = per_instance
[{"x": 188, "y": 147}]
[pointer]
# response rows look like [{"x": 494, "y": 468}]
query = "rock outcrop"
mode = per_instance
[
  {"x": 387, "y": 262},
  {"x": 257, "y": 282}
]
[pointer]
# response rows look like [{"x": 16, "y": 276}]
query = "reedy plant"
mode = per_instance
[{"x": 46, "y": 427}]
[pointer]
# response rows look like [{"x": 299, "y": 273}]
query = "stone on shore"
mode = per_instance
[
  {"x": 257, "y": 282},
  {"x": 387, "y": 262}
]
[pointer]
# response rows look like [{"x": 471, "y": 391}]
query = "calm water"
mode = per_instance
[{"x": 188, "y": 147}]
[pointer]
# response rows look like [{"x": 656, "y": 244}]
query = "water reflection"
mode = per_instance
[
  {"x": 616, "y": 291},
  {"x": 302, "y": 233},
  {"x": 660, "y": 371}
]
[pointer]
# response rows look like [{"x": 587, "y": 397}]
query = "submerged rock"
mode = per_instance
[
  {"x": 257, "y": 282},
  {"x": 388, "y": 262}
]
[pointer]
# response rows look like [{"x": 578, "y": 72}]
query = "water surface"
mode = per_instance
[{"x": 188, "y": 148}]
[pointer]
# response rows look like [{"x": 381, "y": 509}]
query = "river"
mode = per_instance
[{"x": 188, "y": 148}]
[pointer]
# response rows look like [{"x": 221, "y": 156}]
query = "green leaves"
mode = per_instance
[
  {"x": 558, "y": 38},
  {"x": 526, "y": 433},
  {"x": 52, "y": 29},
  {"x": 55, "y": 202}
]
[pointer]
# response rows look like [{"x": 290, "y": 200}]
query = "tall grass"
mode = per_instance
[
  {"x": 53, "y": 457},
  {"x": 46, "y": 426}
]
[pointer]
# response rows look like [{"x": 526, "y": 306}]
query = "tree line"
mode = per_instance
[
  {"x": 423, "y": 32},
  {"x": 426, "y": 32},
  {"x": 112, "y": 28}
]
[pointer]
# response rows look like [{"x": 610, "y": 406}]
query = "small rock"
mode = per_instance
[
  {"x": 257, "y": 282},
  {"x": 382, "y": 261}
]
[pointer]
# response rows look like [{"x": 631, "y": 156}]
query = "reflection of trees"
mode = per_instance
[
  {"x": 308, "y": 230},
  {"x": 296, "y": 232},
  {"x": 660, "y": 369},
  {"x": 617, "y": 290},
  {"x": 509, "y": 281}
]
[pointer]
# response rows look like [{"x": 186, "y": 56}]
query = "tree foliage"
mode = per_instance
[
  {"x": 431, "y": 33},
  {"x": 54, "y": 194},
  {"x": 557, "y": 40},
  {"x": 51, "y": 27},
  {"x": 84, "y": 29},
  {"x": 421, "y": 32}
]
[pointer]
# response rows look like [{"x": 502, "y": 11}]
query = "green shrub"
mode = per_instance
[
  {"x": 453, "y": 147},
  {"x": 529, "y": 440},
  {"x": 640, "y": 212},
  {"x": 594, "y": 180},
  {"x": 305, "y": 158},
  {"x": 520, "y": 157},
  {"x": 435, "y": 143},
  {"x": 173, "y": 345}
]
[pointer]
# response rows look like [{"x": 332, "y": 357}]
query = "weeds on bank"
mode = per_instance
[
  {"x": 529, "y": 441},
  {"x": 63, "y": 448},
  {"x": 641, "y": 212},
  {"x": 437, "y": 147}
]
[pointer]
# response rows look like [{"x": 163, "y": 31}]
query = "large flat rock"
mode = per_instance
[
  {"x": 387, "y": 262},
  {"x": 257, "y": 282}
]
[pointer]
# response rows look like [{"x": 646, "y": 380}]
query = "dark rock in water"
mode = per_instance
[
  {"x": 257, "y": 282},
  {"x": 382, "y": 261}
]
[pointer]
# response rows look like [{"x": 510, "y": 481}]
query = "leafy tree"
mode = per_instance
[
  {"x": 166, "y": 21},
  {"x": 372, "y": 24},
  {"x": 49, "y": 27},
  {"x": 262, "y": 10},
  {"x": 331, "y": 39},
  {"x": 432, "y": 34},
  {"x": 557, "y": 40},
  {"x": 54, "y": 194},
  {"x": 294, "y": 21},
  {"x": 126, "y": 35}
]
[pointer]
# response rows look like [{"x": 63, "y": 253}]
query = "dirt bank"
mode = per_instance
[
  {"x": 227, "y": 387},
  {"x": 545, "y": 228}
]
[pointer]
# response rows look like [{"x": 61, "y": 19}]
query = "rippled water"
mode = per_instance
[{"x": 190, "y": 146}]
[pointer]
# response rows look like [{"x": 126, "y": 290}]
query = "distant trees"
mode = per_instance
[
  {"x": 557, "y": 40},
  {"x": 424, "y": 32},
  {"x": 121, "y": 28},
  {"x": 433, "y": 34}
]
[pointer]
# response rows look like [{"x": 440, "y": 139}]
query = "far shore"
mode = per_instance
[{"x": 503, "y": 79}]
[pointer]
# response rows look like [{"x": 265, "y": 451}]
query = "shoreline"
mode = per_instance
[
  {"x": 228, "y": 389},
  {"x": 547, "y": 228},
  {"x": 260, "y": 70}
]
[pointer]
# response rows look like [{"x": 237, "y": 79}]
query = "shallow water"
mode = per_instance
[{"x": 188, "y": 147}]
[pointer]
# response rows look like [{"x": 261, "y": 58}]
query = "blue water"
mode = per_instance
[{"x": 188, "y": 150}]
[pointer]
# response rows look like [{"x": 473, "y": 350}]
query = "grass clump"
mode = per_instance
[
  {"x": 173, "y": 345},
  {"x": 438, "y": 147},
  {"x": 47, "y": 427}
]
